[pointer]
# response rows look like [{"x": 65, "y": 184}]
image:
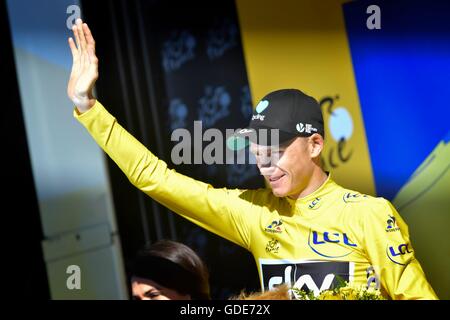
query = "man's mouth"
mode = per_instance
[{"x": 276, "y": 178}]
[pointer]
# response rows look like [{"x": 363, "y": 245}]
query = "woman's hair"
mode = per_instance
[{"x": 175, "y": 266}]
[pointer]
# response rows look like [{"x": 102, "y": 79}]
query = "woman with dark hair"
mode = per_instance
[{"x": 169, "y": 270}]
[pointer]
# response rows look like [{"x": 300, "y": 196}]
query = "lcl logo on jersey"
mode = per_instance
[
  {"x": 330, "y": 244},
  {"x": 315, "y": 204},
  {"x": 398, "y": 254},
  {"x": 313, "y": 276},
  {"x": 353, "y": 197}
]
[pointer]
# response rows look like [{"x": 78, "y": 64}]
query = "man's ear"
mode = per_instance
[{"x": 316, "y": 145}]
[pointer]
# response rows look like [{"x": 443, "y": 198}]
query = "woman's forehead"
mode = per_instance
[{"x": 145, "y": 281}]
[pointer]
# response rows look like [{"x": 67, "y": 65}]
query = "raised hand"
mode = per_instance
[{"x": 84, "y": 68}]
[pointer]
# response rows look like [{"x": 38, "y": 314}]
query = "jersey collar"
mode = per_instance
[{"x": 327, "y": 187}]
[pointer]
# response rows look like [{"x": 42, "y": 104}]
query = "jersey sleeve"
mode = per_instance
[
  {"x": 389, "y": 250},
  {"x": 219, "y": 210}
]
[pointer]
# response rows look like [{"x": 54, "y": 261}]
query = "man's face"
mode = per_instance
[
  {"x": 287, "y": 167},
  {"x": 146, "y": 289}
]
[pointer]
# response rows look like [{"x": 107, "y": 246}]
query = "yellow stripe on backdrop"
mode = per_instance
[{"x": 303, "y": 44}]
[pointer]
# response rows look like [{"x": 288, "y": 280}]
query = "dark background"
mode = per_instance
[
  {"x": 24, "y": 273},
  {"x": 163, "y": 65}
]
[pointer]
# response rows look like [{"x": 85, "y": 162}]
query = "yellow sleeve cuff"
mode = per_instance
[{"x": 89, "y": 115}]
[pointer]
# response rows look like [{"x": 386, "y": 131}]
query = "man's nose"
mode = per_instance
[
  {"x": 264, "y": 162},
  {"x": 269, "y": 161}
]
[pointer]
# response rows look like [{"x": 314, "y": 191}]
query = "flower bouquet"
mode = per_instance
[{"x": 343, "y": 291}]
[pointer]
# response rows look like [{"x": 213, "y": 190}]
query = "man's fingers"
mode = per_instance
[
  {"x": 90, "y": 44},
  {"x": 73, "y": 49},
  {"x": 79, "y": 24},
  {"x": 89, "y": 38},
  {"x": 92, "y": 57},
  {"x": 77, "y": 37}
]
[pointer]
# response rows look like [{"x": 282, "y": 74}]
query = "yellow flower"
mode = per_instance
[
  {"x": 348, "y": 293},
  {"x": 329, "y": 295}
]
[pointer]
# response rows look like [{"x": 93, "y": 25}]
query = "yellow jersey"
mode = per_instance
[{"x": 311, "y": 243}]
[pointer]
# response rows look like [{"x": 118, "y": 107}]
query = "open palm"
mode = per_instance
[{"x": 84, "y": 68}]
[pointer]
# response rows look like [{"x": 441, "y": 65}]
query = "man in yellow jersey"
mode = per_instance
[{"x": 305, "y": 231}]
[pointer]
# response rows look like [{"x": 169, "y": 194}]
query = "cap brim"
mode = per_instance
[{"x": 261, "y": 136}]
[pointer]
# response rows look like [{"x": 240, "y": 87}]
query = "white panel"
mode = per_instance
[
  {"x": 69, "y": 169},
  {"x": 69, "y": 244},
  {"x": 99, "y": 275}
]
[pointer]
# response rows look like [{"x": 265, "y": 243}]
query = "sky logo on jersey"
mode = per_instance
[
  {"x": 314, "y": 276},
  {"x": 330, "y": 244},
  {"x": 399, "y": 254},
  {"x": 391, "y": 224},
  {"x": 274, "y": 227}
]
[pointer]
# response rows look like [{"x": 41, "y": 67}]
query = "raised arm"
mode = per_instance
[{"x": 220, "y": 211}]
